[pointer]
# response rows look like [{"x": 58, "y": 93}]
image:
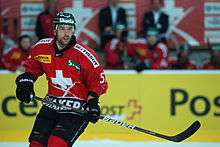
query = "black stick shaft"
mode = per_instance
[{"x": 177, "y": 138}]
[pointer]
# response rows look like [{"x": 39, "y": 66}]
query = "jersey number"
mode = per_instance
[{"x": 102, "y": 76}]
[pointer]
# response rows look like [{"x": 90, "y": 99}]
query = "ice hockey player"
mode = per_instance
[{"x": 75, "y": 79}]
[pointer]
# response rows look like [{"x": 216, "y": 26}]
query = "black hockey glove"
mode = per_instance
[
  {"x": 25, "y": 87},
  {"x": 93, "y": 110}
]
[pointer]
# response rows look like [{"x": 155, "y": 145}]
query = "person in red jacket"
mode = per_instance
[
  {"x": 118, "y": 51},
  {"x": 183, "y": 61},
  {"x": 75, "y": 79},
  {"x": 214, "y": 62},
  {"x": 15, "y": 57},
  {"x": 44, "y": 22},
  {"x": 152, "y": 53},
  {"x": 1, "y": 53}
]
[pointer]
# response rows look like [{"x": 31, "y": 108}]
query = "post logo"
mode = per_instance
[{"x": 128, "y": 111}]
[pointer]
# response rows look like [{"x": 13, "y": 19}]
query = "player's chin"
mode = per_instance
[{"x": 65, "y": 41}]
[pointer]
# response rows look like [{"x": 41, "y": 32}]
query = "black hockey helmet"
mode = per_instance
[{"x": 64, "y": 18}]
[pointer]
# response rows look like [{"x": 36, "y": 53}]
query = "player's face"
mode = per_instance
[
  {"x": 25, "y": 43},
  {"x": 64, "y": 34},
  {"x": 119, "y": 32},
  {"x": 156, "y": 4},
  {"x": 152, "y": 40},
  {"x": 113, "y": 2}
]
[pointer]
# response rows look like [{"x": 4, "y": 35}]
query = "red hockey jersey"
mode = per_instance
[
  {"x": 73, "y": 74},
  {"x": 158, "y": 56},
  {"x": 173, "y": 63},
  {"x": 209, "y": 65},
  {"x": 113, "y": 49},
  {"x": 14, "y": 58}
]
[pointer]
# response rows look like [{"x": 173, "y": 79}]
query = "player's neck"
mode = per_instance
[{"x": 60, "y": 46}]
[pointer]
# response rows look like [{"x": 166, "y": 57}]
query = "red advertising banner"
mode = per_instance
[{"x": 194, "y": 21}]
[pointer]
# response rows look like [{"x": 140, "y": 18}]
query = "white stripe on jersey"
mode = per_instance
[
  {"x": 44, "y": 41},
  {"x": 113, "y": 44},
  {"x": 87, "y": 53},
  {"x": 164, "y": 49}
]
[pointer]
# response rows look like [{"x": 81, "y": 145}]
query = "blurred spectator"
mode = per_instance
[
  {"x": 1, "y": 52},
  {"x": 214, "y": 62},
  {"x": 118, "y": 51},
  {"x": 15, "y": 57},
  {"x": 44, "y": 23},
  {"x": 153, "y": 54},
  {"x": 7, "y": 42},
  {"x": 156, "y": 18},
  {"x": 183, "y": 61},
  {"x": 108, "y": 18}
]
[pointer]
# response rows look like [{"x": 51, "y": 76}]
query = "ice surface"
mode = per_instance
[{"x": 111, "y": 143}]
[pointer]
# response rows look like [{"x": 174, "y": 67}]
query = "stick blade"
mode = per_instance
[{"x": 187, "y": 133}]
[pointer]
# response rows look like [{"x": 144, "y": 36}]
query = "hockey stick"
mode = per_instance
[{"x": 176, "y": 138}]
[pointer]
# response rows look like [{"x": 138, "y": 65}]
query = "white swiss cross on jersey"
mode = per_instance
[{"x": 62, "y": 81}]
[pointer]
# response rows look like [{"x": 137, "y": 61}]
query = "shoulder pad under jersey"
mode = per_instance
[
  {"x": 44, "y": 41},
  {"x": 87, "y": 54}
]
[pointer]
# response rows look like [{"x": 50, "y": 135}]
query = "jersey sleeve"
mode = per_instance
[
  {"x": 33, "y": 66},
  {"x": 111, "y": 55},
  {"x": 96, "y": 81},
  {"x": 93, "y": 74},
  {"x": 160, "y": 56}
]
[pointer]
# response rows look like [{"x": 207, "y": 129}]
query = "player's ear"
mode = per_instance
[
  {"x": 54, "y": 32},
  {"x": 54, "y": 29}
]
